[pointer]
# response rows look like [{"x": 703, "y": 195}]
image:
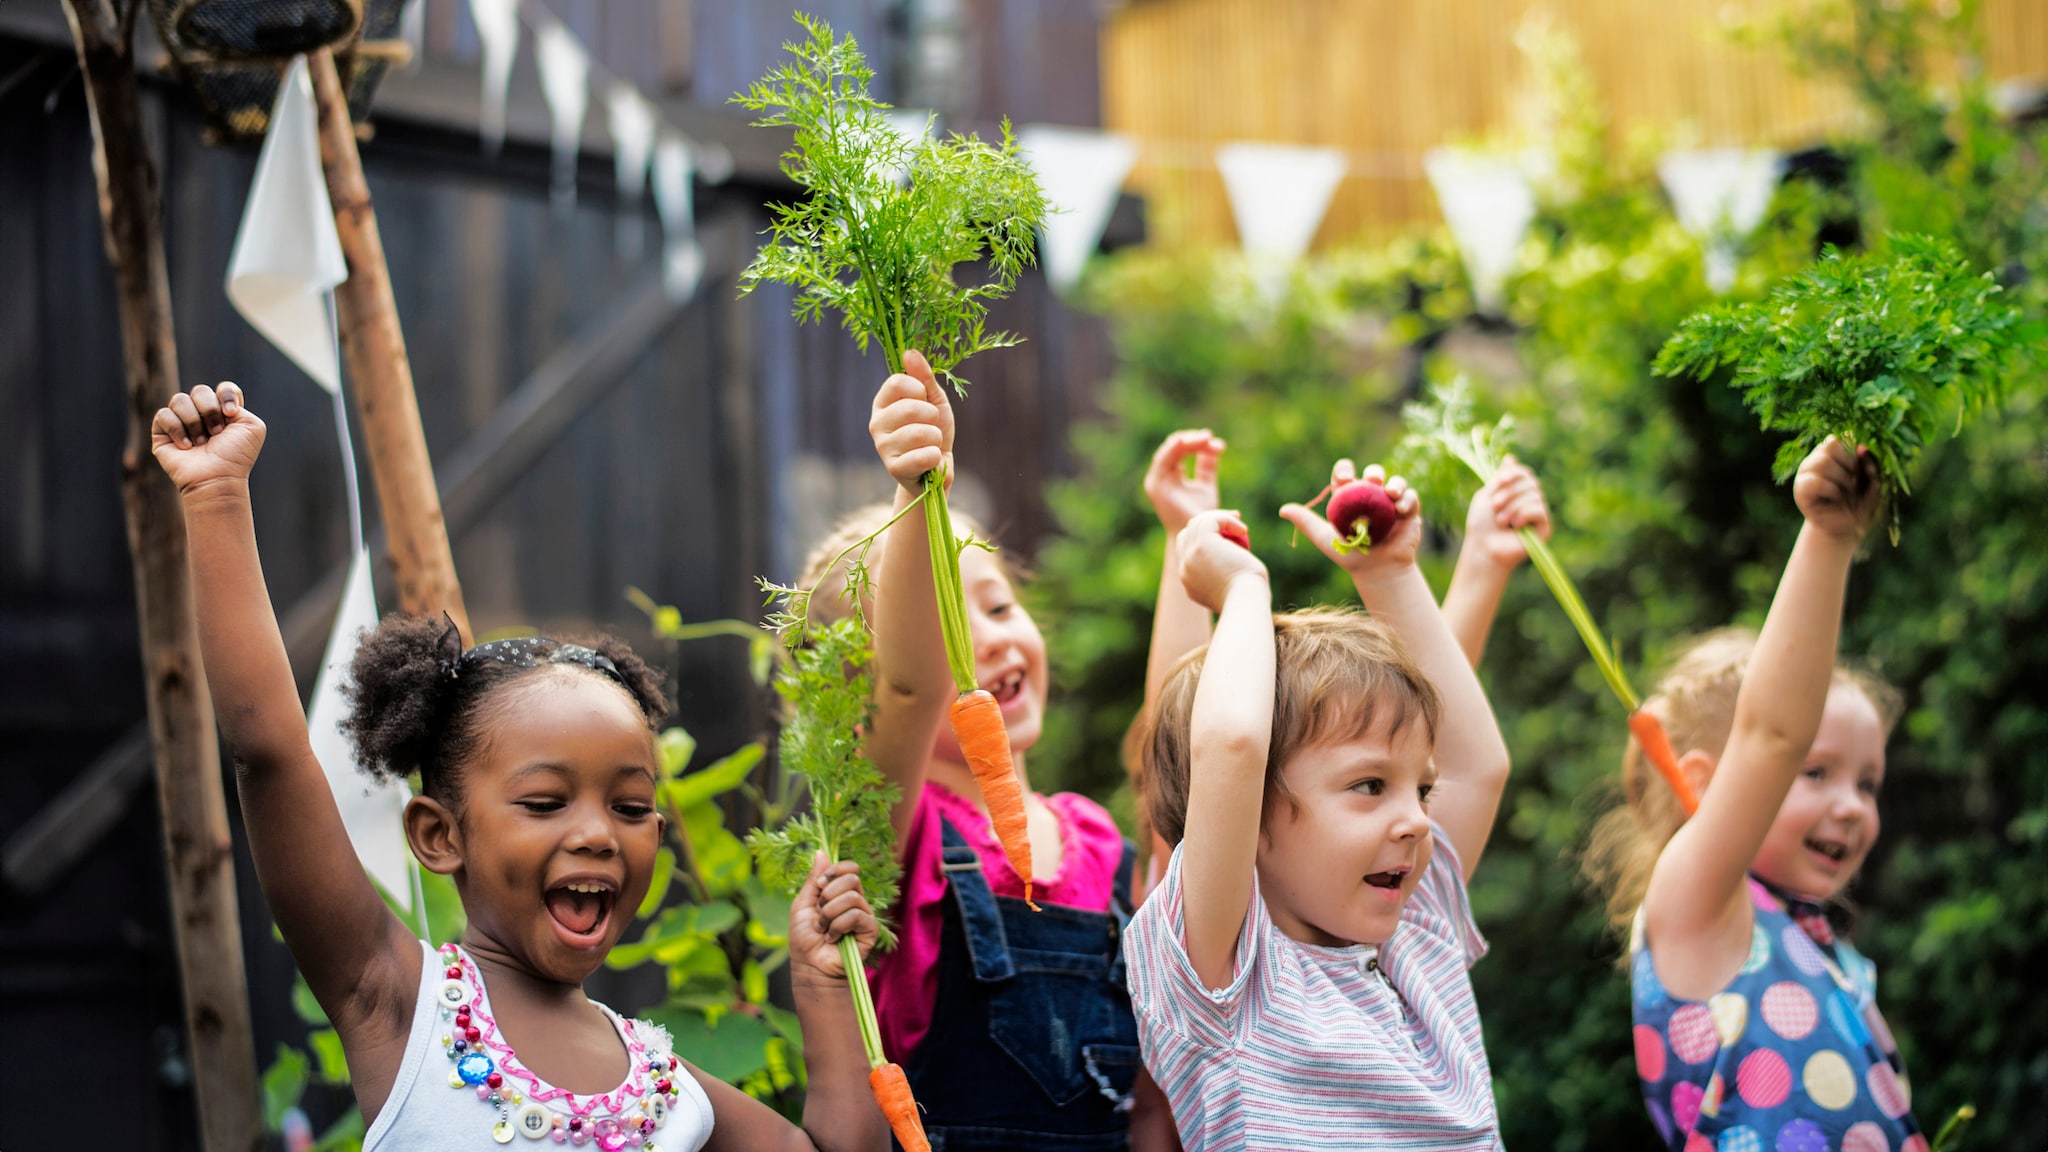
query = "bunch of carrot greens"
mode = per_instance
[
  {"x": 1443, "y": 446},
  {"x": 1880, "y": 350},
  {"x": 884, "y": 223}
]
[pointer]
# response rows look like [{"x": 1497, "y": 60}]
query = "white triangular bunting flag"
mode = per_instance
[
  {"x": 565, "y": 83},
  {"x": 372, "y": 809},
  {"x": 632, "y": 122},
  {"x": 1720, "y": 196},
  {"x": 287, "y": 256},
  {"x": 1488, "y": 204},
  {"x": 1278, "y": 195},
  {"x": 682, "y": 259},
  {"x": 1080, "y": 172},
  {"x": 497, "y": 31}
]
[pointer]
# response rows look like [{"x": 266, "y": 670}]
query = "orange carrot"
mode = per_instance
[
  {"x": 978, "y": 726},
  {"x": 892, "y": 1092},
  {"x": 1649, "y": 732}
]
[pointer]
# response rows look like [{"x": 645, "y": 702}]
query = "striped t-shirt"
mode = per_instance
[{"x": 1309, "y": 1047}]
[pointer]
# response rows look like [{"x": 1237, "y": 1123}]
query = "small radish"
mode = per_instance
[
  {"x": 1237, "y": 534},
  {"x": 1362, "y": 504}
]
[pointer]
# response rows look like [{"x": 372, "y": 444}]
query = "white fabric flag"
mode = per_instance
[
  {"x": 1488, "y": 204},
  {"x": 1278, "y": 195},
  {"x": 1080, "y": 172},
  {"x": 1720, "y": 195},
  {"x": 682, "y": 259},
  {"x": 497, "y": 30},
  {"x": 632, "y": 121},
  {"x": 287, "y": 257},
  {"x": 373, "y": 810},
  {"x": 286, "y": 262},
  {"x": 565, "y": 83}
]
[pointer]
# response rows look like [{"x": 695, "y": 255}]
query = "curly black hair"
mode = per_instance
[{"x": 407, "y": 714}]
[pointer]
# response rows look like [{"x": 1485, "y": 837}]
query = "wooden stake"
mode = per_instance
[
  {"x": 373, "y": 346},
  {"x": 197, "y": 847}
]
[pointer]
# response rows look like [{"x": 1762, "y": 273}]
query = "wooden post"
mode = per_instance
[
  {"x": 373, "y": 346},
  {"x": 197, "y": 847}
]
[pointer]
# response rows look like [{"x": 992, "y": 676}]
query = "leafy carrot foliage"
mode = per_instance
[
  {"x": 887, "y": 220},
  {"x": 829, "y": 691},
  {"x": 1879, "y": 350}
]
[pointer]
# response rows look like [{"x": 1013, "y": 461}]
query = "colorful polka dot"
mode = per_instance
[
  {"x": 1829, "y": 1081},
  {"x": 1692, "y": 1033},
  {"x": 1685, "y": 1105},
  {"x": 1741, "y": 1138},
  {"x": 1662, "y": 1120},
  {"x": 1801, "y": 951},
  {"x": 1698, "y": 1143},
  {"x": 1649, "y": 990},
  {"x": 1789, "y": 1009},
  {"x": 1802, "y": 1136},
  {"x": 1763, "y": 1081},
  {"x": 1914, "y": 1143},
  {"x": 1731, "y": 1016},
  {"x": 1879, "y": 1030},
  {"x": 1759, "y": 950},
  {"x": 1886, "y": 1091},
  {"x": 1866, "y": 1137},
  {"x": 1649, "y": 1053}
]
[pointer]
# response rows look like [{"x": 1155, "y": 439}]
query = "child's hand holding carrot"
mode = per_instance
[
  {"x": 1837, "y": 491},
  {"x": 912, "y": 424},
  {"x": 1513, "y": 500},
  {"x": 830, "y": 905}
]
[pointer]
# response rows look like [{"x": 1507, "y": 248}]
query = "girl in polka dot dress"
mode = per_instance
[
  {"x": 537, "y": 771},
  {"x": 1756, "y": 1030}
]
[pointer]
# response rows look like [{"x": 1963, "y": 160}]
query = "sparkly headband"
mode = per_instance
[{"x": 519, "y": 652}]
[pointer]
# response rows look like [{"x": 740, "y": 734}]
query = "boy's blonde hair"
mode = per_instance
[
  {"x": 829, "y": 603},
  {"x": 1695, "y": 700},
  {"x": 1337, "y": 674}
]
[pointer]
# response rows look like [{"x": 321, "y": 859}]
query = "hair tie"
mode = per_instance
[{"x": 522, "y": 652}]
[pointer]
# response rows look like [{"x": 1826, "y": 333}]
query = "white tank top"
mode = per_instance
[{"x": 462, "y": 1087}]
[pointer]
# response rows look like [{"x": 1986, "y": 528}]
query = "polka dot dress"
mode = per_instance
[{"x": 1792, "y": 1056}]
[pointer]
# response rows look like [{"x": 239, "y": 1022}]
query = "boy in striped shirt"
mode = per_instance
[{"x": 1329, "y": 781}]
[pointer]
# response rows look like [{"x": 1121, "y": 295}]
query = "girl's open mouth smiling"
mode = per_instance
[
  {"x": 581, "y": 907},
  {"x": 1007, "y": 688}
]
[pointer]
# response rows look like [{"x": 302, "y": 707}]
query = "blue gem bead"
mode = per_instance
[
  {"x": 461, "y": 1045},
  {"x": 474, "y": 1068}
]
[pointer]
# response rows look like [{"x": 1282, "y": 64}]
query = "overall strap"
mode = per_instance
[
  {"x": 1120, "y": 907},
  {"x": 981, "y": 922}
]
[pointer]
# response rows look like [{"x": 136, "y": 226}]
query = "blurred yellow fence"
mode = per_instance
[{"x": 1386, "y": 80}]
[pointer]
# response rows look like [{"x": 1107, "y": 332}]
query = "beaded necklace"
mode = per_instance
[{"x": 624, "y": 1118}]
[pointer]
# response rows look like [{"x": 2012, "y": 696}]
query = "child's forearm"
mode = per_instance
[
  {"x": 913, "y": 683},
  {"x": 840, "y": 1113},
  {"x": 1471, "y": 758},
  {"x": 249, "y": 675},
  {"x": 1230, "y": 736},
  {"x": 1473, "y": 599},
  {"x": 1179, "y": 625}
]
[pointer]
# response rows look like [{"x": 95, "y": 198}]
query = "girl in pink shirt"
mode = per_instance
[{"x": 1014, "y": 1026}]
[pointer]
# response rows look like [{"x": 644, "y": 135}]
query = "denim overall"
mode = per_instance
[{"x": 1033, "y": 1043}]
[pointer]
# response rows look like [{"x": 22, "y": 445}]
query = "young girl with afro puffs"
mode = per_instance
[{"x": 537, "y": 769}]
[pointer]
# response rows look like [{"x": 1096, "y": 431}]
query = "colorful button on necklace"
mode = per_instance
[{"x": 611, "y": 1127}]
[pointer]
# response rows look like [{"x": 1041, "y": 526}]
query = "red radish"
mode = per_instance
[
  {"x": 1362, "y": 500},
  {"x": 1237, "y": 534}
]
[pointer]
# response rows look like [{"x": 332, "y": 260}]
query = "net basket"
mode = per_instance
[{"x": 231, "y": 53}]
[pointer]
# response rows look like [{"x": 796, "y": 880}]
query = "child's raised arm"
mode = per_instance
[
  {"x": 1471, "y": 760},
  {"x": 1491, "y": 552},
  {"x": 1696, "y": 910},
  {"x": 1179, "y": 625},
  {"x": 912, "y": 426},
  {"x": 361, "y": 963},
  {"x": 1230, "y": 734}
]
